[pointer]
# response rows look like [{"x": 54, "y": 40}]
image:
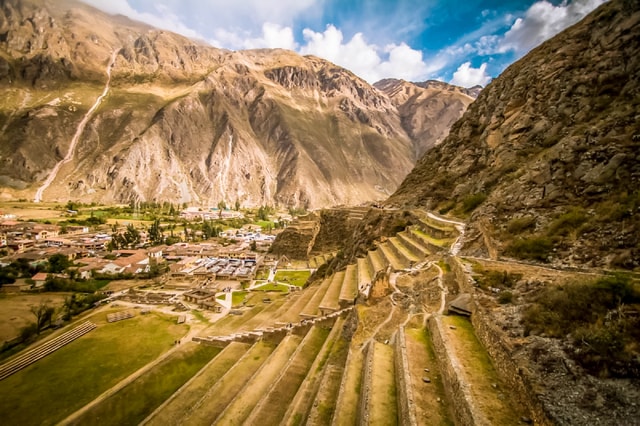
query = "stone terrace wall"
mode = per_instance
[
  {"x": 365, "y": 393},
  {"x": 503, "y": 355},
  {"x": 406, "y": 406},
  {"x": 456, "y": 388}
]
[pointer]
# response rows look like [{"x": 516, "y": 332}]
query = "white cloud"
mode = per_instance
[
  {"x": 273, "y": 36},
  {"x": 162, "y": 18},
  {"x": 542, "y": 21},
  {"x": 367, "y": 60},
  {"x": 467, "y": 76}
]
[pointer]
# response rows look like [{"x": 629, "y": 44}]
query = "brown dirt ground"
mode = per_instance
[{"x": 15, "y": 313}]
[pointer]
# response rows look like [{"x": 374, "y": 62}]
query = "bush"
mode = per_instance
[
  {"x": 505, "y": 297},
  {"x": 567, "y": 222},
  {"x": 605, "y": 339},
  {"x": 535, "y": 248},
  {"x": 472, "y": 201},
  {"x": 520, "y": 224}
]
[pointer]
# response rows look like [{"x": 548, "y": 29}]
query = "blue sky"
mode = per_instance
[{"x": 464, "y": 42}]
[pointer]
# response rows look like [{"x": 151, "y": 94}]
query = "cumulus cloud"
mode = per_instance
[
  {"x": 367, "y": 60},
  {"x": 542, "y": 21},
  {"x": 161, "y": 17},
  {"x": 273, "y": 36},
  {"x": 467, "y": 76}
]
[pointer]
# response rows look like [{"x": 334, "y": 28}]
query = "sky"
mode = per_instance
[{"x": 463, "y": 42}]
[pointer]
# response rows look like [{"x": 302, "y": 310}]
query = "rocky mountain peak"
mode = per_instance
[{"x": 545, "y": 160}]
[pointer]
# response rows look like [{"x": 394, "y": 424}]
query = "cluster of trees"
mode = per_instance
[
  {"x": 20, "y": 268},
  {"x": 128, "y": 239}
]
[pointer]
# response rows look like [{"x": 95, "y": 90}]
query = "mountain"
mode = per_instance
[
  {"x": 545, "y": 162},
  {"x": 427, "y": 110},
  {"x": 101, "y": 108}
]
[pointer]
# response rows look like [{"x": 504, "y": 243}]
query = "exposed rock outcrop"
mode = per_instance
[{"x": 545, "y": 161}]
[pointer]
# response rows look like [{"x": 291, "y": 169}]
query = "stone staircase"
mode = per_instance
[{"x": 45, "y": 349}]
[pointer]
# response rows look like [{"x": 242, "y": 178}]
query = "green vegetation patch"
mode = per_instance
[
  {"x": 297, "y": 278},
  {"x": 472, "y": 201},
  {"x": 137, "y": 400},
  {"x": 63, "y": 382},
  {"x": 534, "y": 248},
  {"x": 237, "y": 297},
  {"x": 595, "y": 315},
  {"x": 274, "y": 287}
]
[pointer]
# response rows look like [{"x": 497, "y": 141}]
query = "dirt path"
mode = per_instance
[{"x": 76, "y": 137}]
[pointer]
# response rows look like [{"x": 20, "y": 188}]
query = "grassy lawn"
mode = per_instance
[
  {"x": 273, "y": 287},
  {"x": 262, "y": 274},
  {"x": 297, "y": 278},
  {"x": 136, "y": 401},
  {"x": 237, "y": 297},
  {"x": 181, "y": 403},
  {"x": 56, "y": 386}
]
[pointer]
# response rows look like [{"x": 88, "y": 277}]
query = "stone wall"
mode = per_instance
[
  {"x": 456, "y": 388},
  {"x": 365, "y": 391},
  {"x": 406, "y": 406},
  {"x": 503, "y": 355}
]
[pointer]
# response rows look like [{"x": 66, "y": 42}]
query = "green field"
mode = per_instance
[
  {"x": 137, "y": 400},
  {"x": 63, "y": 382},
  {"x": 297, "y": 278}
]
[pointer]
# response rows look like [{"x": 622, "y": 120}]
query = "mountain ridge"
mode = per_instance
[
  {"x": 544, "y": 163},
  {"x": 185, "y": 122}
]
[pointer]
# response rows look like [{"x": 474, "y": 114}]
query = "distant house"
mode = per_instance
[
  {"x": 136, "y": 262},
  {"x": 20, "y": 245},
  {"x": 39, "y": 279}
]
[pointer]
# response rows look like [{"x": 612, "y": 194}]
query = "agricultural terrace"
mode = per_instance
[{"x": 63, "y": 382}]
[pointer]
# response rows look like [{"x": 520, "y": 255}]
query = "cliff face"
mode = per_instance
[
  {"x": 428, "y": 109},
  {"x": 185, "y": 122},
  {"x": 545, "y": 161}
]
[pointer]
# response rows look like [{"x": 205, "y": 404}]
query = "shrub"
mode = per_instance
[
  {"x": 472, "y": 201},
  {"x": 505, "y": 297},
  {"x": 567, "y": 222},
  {"x": 535, "y": 248},
  {"x": 605, "y": 340},
  {"x": 518, "y": 225}
]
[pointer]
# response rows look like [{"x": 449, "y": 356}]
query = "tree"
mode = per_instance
[
  {"x": 131, "y": 235},
  {"x": 237, "y": 204},
  {"x": 58, "y": 263},
  {"x": 155, "y": 233},
  {"x": 43, "y": 313}
]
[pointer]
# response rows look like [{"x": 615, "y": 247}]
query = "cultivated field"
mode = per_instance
[{"x": 63, "y": 382}]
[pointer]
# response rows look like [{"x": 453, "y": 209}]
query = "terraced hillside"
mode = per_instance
[{"x": 353, "y": 347}]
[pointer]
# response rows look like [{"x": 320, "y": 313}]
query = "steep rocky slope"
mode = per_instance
[
  {"x": 185, "y": 122},
  {"x": 545, "y": 161},
  {"x": 427, "y": 109}
]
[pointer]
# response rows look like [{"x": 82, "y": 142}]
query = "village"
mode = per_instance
[{"x": 191, "y": 273}]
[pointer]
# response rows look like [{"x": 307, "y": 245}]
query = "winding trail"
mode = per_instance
[{"x": 76, "y": 137}]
